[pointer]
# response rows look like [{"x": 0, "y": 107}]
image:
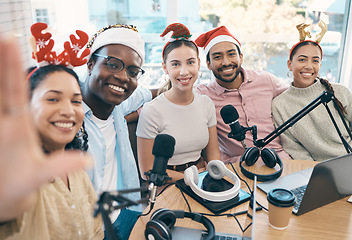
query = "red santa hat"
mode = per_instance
[{"x": 217, "y": 35}]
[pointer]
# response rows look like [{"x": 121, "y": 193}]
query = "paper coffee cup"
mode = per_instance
[{"x": 281, "y": 202}]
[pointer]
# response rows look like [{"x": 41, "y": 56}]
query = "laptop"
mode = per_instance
[
  {"x": 181, "y": 233},
  {"x": 327, "y": 182}
]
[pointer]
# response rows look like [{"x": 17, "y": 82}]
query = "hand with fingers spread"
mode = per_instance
[
  {"x": 23, "y": 166},
  {"x": 35, "y": 170}
]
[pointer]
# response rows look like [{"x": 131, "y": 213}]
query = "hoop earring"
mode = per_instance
[
  {"x": 80, "y": 132},
  {"x": 288, "y": 73}
]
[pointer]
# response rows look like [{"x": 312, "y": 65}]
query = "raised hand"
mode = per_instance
[{"x": 23, "y": 166}]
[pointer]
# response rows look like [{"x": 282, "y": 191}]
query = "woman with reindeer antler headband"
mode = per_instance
[
  {"x": 50, "y": 204},
  {"x": 188, "y": 117},
  {"x": 314, "y": 136}
]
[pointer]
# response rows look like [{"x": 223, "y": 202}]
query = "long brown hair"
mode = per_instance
[{"x": 329, "y": 88}]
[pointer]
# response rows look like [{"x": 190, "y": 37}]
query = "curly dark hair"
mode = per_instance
[{"x": 78, "y": 143}]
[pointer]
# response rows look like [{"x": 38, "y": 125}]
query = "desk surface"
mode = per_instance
[{"x": 332, "y": 221}]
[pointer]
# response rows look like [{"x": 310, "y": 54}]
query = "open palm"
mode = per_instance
[{"x": 23, "y": 166}]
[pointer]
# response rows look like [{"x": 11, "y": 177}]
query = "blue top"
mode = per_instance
[{"x": 128, "y": 172}]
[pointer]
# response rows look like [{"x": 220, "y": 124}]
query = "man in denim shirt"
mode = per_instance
[{"x": 114, "y": 67}]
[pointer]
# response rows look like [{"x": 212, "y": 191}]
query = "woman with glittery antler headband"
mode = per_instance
[
  {"x": 178, "y": 111},
  {"x": 314, "y": 136},
  {"x": 54, "y": 207}
]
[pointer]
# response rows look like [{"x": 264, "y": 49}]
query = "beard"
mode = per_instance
[{"x": 219, "y": 77}]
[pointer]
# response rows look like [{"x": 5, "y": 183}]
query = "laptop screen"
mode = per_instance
[{"x": 327, "y": 182}]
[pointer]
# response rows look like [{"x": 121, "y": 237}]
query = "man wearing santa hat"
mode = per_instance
[{"x": 250, "y": 92}]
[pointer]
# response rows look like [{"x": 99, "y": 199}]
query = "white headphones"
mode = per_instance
[{"x": 217, "y": 170}]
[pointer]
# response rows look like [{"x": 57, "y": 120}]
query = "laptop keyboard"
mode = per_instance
[
  {"x": 298, "y": 192},
  {"x": 223, "y": 236}
]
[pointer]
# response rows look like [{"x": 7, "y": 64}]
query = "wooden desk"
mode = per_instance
[{"x": 333, "y": 221}]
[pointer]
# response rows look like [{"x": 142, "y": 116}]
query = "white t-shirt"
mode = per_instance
[
  {"x": 110, "y": 170},
  {"x": 189, "y": 125}
]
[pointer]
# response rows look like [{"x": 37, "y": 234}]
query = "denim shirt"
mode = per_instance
[{"x": 127, "y": 164}]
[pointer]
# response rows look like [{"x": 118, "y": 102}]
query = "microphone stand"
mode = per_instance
[
  {"x": 105, "y": 206},
  {"x": 324, "y": 98},
  {"x": 253, "y": 129}
]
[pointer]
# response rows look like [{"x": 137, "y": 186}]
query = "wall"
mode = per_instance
[{"x": 16, "y": 19}]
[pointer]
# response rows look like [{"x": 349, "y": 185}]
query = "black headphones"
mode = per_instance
[
  {"x": 270, "y": 159},
  {"x": 162, "y": 221}
]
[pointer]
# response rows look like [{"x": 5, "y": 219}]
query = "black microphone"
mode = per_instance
[
  {"x": 230, "y": 116},
  {"x": 163, "y": 149}
]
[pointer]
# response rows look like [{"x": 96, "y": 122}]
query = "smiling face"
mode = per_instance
[
  {"x": 58, "y": 114},
  {"x": 107, "y": 88},
  {"x": 305, "y": 65},
  {"x": 182, "y": 65},
  {"x": 225, "y": 62}
]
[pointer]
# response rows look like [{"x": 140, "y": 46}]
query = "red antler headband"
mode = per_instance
[{"x": 42, "y": 46}]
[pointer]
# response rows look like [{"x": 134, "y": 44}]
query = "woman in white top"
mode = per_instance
[{"x": 188, "y": 117}]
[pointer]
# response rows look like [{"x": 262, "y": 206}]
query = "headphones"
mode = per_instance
[
  {"x": 163, "y": 220},
  {"x": 270, "y": 159},
  {"x": 217, "y": 170}
]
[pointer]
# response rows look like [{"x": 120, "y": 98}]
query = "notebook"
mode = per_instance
[
  {"x": 181, "y": 233},
  {"x": 327, "y": 182},
  {"x": 214, "y": 207}
]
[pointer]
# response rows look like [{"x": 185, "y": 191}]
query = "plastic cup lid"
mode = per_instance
[{"x": 281, "y": 197}]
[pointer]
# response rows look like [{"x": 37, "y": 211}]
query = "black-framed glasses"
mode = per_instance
[{"x": 116, "y": 65}]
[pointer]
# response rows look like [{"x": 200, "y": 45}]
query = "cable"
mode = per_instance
[
  {"x": 150, "y": 209},
  {"x": 247, "y": 186},
  {"x": 167, "y": 186},
  {"x": 222, "y": 215},
  {"x": 227, "y": 214},
  {"x": 184, "y": 197},
  {"x": 233, "y": 168},
  {"x": 262, "y": 206},
  {"x": 151, "y": 206}
]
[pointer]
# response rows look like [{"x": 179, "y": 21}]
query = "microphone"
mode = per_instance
[
  {"x": 230, "y": 116},
  {"x": 163, "y": 149}
]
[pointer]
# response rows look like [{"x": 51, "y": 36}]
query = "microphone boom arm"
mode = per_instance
[
  {"x": 105, "y": 206},
  {"x": 324, "y": 98}
]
